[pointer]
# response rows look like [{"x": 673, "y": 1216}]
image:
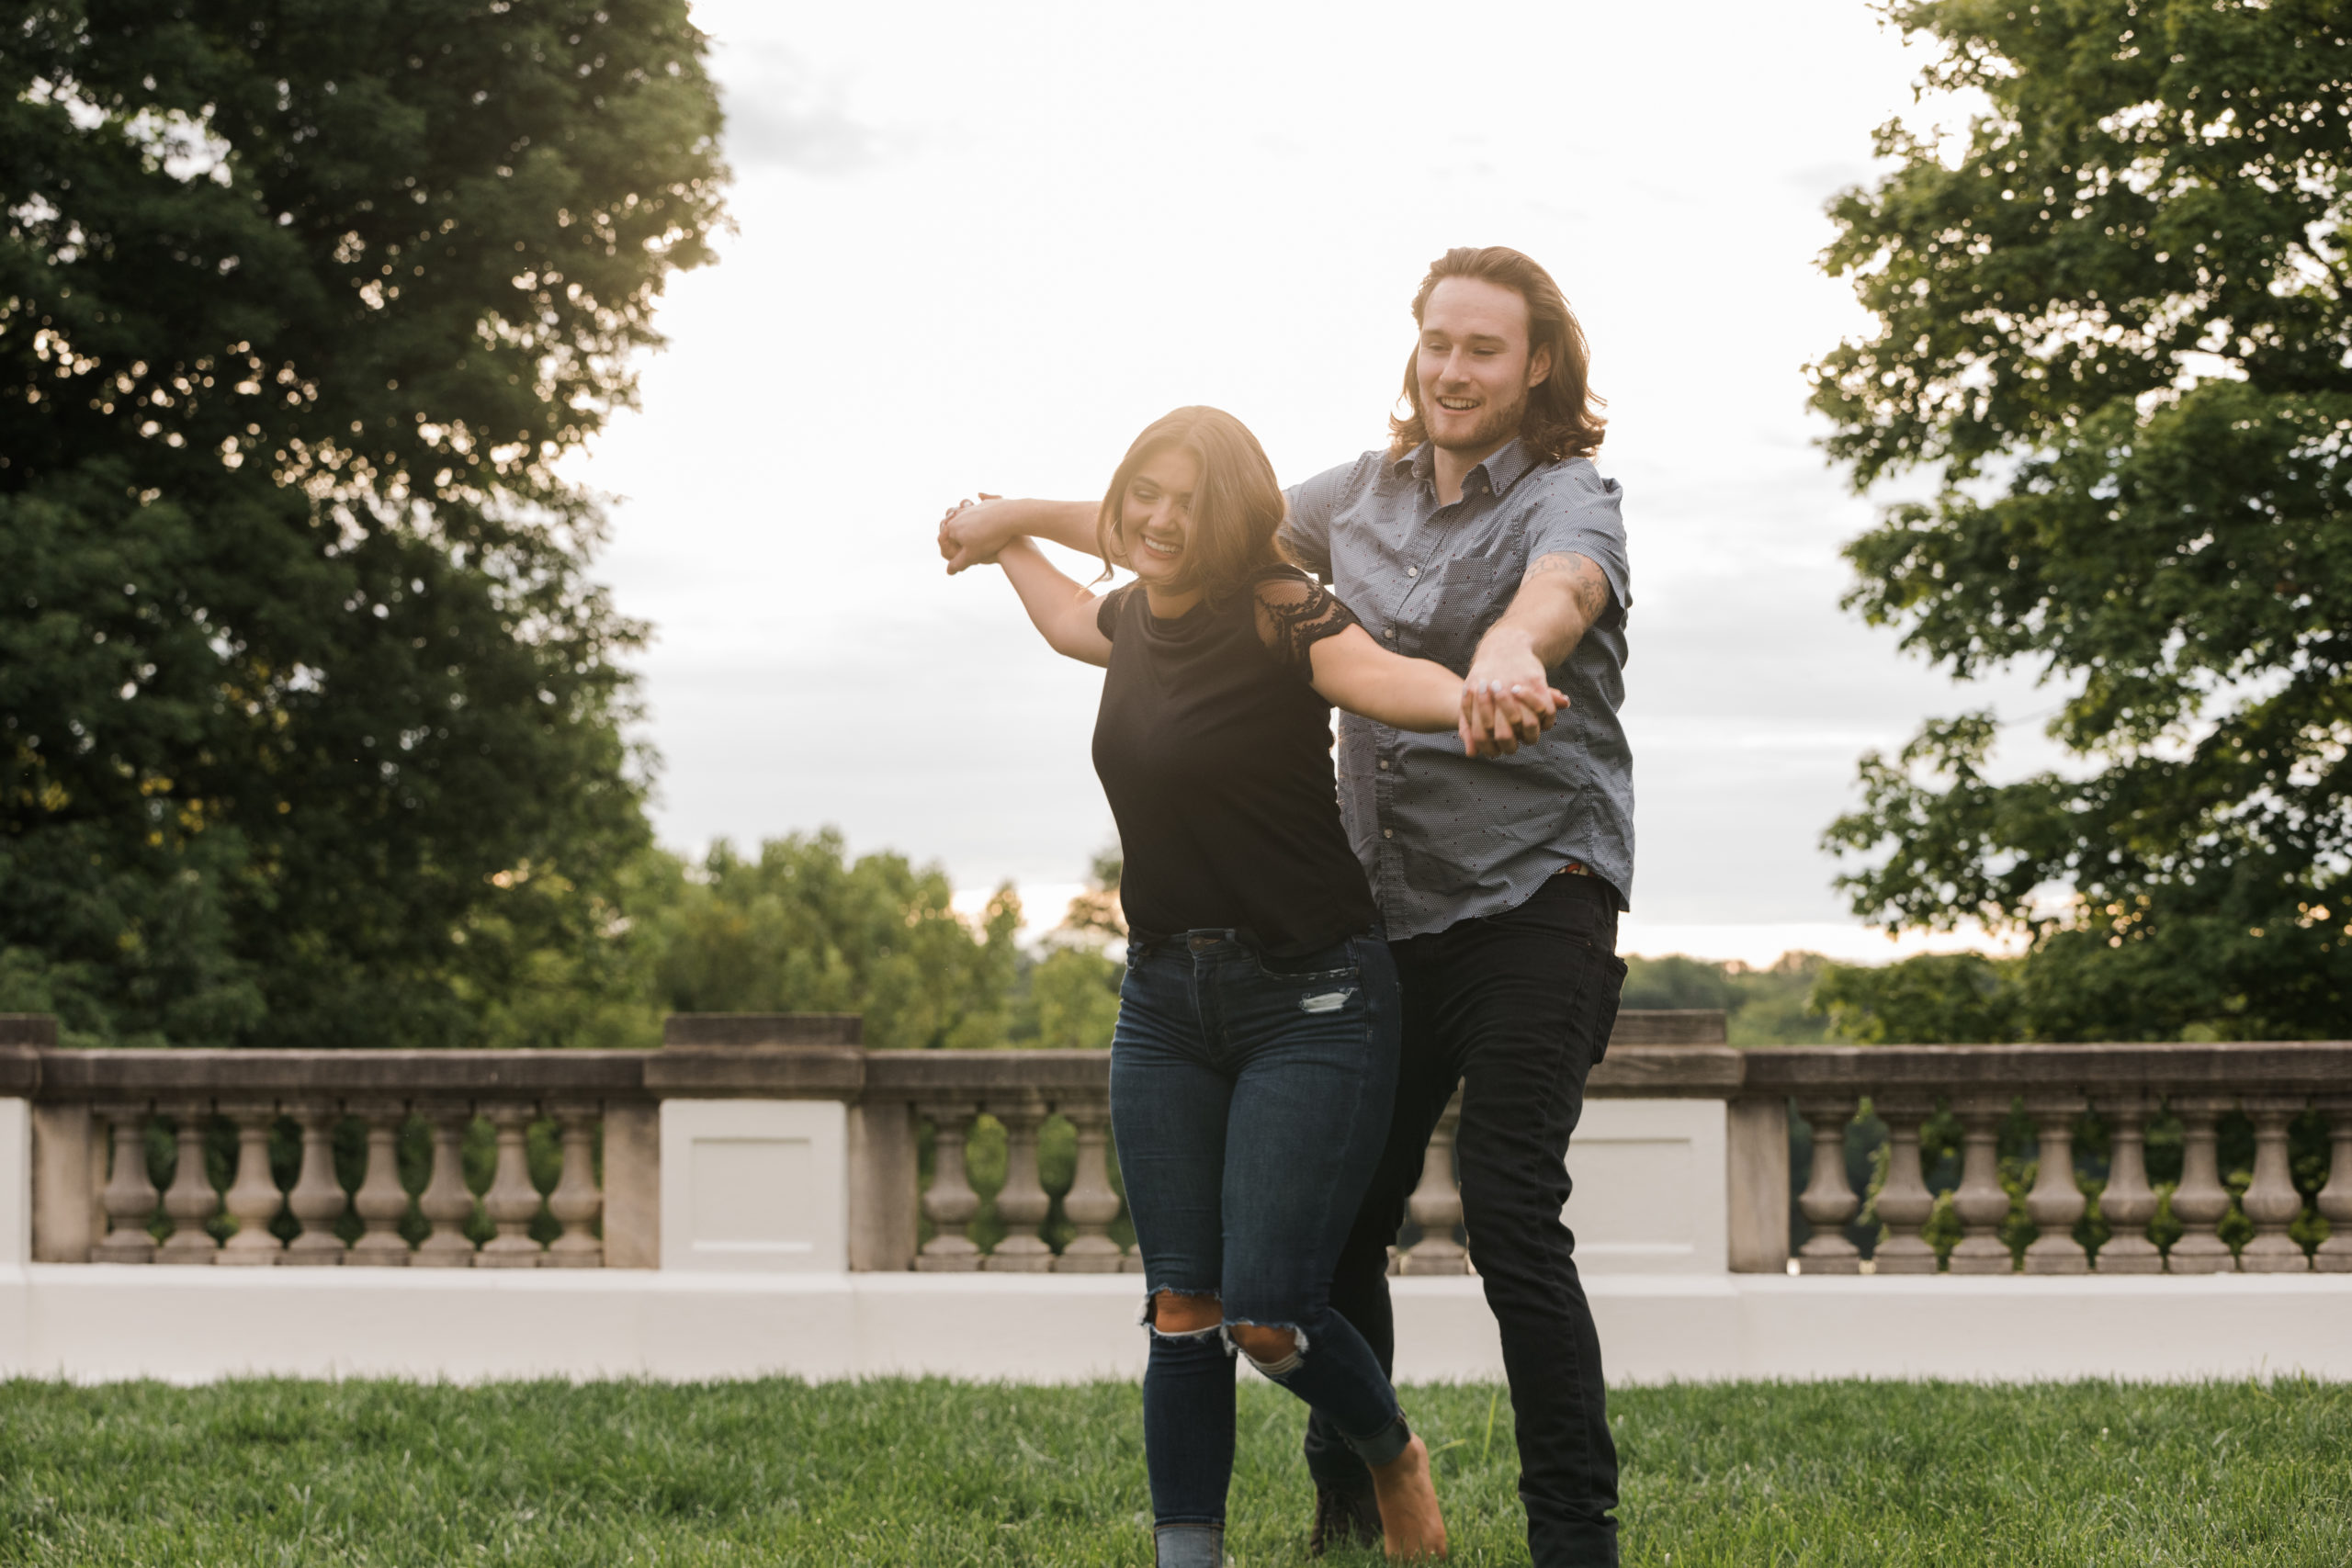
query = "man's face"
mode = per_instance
[{"x": 1473, "y": 369}]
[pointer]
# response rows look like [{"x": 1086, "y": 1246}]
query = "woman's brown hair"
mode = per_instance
[
  {"x": 1563, "y": 416},
  {"x": 1236, "y": 505}
]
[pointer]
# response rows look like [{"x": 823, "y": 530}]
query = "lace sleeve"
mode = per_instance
[{"x": 1294, "y": 614}]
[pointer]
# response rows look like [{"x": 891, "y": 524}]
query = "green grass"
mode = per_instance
[{"x": 937, "y": 1474}]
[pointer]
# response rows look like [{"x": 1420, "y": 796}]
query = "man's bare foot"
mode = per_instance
[{"x": 1409, "y": 1521}]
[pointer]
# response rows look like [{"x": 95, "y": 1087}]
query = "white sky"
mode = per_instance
[{"x": 979, "y": 247}]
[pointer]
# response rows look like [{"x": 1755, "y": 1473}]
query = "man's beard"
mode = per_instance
[{"x": 1501, "y": 424}]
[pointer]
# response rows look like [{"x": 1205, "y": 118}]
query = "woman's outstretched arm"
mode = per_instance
[
  {"x": 972, "y": 534},
  {"x": 1356, "y": 673},
  {"x": 1062, "y": 611}
]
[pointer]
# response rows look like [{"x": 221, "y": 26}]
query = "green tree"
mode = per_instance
[
  {"x": 310, "y": 724},
  {"x": 802, "y": 929},
  {"x": 2117, "y": 323},
  {"x": 1068, "y": 998}
]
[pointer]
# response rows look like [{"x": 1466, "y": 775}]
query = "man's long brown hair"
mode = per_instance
[
  {"x": 1563, "y": 416},
  {"x": 1237, "y": 504}
]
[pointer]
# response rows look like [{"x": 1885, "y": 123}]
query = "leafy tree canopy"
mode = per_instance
[
  {"x": 2117, "y": 319},
  {"x": 310, "y": 725},
  {"x": 804, "y": 928}
]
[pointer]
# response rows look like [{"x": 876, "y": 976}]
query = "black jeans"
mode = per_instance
[{"x": 1517, "y": 1008}]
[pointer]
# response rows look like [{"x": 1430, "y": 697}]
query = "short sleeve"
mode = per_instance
[
  {"x": 1106, "y": 613},
  {"x": 1307, "y": 532},
  {"x": 1294, "y": 614},
  {"x": 1580, "y": 513}
]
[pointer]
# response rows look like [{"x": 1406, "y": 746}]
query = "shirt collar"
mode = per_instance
[{"x": 1502, "y": 468}]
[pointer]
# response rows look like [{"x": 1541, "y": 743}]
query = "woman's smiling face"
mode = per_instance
[{"x": 1156, "y": 515}]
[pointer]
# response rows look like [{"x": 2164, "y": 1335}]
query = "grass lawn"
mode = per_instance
[{"x": 939, "y": 1473}]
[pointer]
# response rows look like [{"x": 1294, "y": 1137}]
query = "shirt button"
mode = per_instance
[
  {"x": 1384, "y": 764},
  {"x": 1412, "y": 571},
  {"x": 1388, "y": 832}
]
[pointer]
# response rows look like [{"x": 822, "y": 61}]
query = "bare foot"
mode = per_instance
[{"x": 1409, "y": 1521}]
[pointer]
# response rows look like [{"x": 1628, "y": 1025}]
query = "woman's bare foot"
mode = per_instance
[{"x": 1409, "y": 1521}]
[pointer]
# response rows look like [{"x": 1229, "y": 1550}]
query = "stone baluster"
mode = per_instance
[
  {"x": 1090, "y": 1203},
  {"x": 576, "y": 1203},
  {"x": 951, "y": 1204},
  {"x": 2334, "y": 1256},
  {"x": 1828, "y": 1201},
  {"x": 317, "y": 1198},
  {"x": 190, "y": 1200},
  {"x": 2128, "y": 1202},
  {"x": 446, "y": 1201},
  {"x": 1904, "y": 1203},
  {"x": 381, "y": 1202},
  {"x": 1022, "y": 1204},
  {"x": 2055, "y": 1202},
  {"x": 1436, "y": 1204},
  {"x": 253, "y": 1200},
  {"x": 2271, "y": 1201},
  {"x": 512, "y": 1202},
  {"x": 129, "y": 1196},
  {"x": 1981, "y": 1202},
  {"x": 2201, "y": 1202}
]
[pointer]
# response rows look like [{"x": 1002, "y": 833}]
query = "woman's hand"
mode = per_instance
[
  {"x": 1497, "y": 721},
  {"x": 974, "y": 533}
]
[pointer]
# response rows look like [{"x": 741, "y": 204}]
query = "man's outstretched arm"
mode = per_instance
[
  {"x": 972, "y": 535},
  {"x": 1558, "y": 599}
]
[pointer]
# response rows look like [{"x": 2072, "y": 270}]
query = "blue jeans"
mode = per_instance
[{"x": 1251, "y": 1098}]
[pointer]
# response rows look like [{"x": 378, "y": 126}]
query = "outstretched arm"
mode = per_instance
[
  {"x": 1559, "y": 599},
  {"x": 972, "y": 534},
  {"x": 1062, "y": 611},
  {"x": 1354, "y": 672}
]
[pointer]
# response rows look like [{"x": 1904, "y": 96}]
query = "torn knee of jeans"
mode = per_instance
[
  {"x": 1274, "y": 1348},
  {"x": 1150, "y": 1317}
]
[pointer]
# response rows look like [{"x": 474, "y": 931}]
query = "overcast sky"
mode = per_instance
[{"x": 979, "y": 247}]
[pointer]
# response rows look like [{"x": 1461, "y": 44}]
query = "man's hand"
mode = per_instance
[
  {"x": 1500, "y": 713},
  {"x": 972, "y": 533}
]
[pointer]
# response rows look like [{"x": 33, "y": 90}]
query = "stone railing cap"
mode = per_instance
[{"x": 34, "y": 1029}]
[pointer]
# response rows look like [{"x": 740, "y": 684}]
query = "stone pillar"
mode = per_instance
[
  {"x": 129, "y": 1196},
  {"x": 65, "y": 1198},
  {"x": 1828, "y": 1201},
  {"x": 1023, "y": 1203},
  {"x": 446, "y": 1201},
  {"x": 1980, "y": 1201},
  {"x": 884, "y": 1197},
  {"x": 190, "y": 1200},
  {"x": 2055, "y": 1202},
  {"x": 633, "y": 1184},
  {"x": 2201, "y": 1202},
  {"x": 1436, "y": 1204},
  {"x": 1090, "y": 1203},
  {"x": 2128, "y": 1204},
  {"x": 951, "y": 1203},
  {"x": 512, "y": 1202},
  {"x": 2271, "y": 1201},
  {"x": 381, "y": 1202},
  {"x": 1757, "y": 1139},
  {"x": 2334, "y": 1256},
  {"x": 318, "y": 1199},
  {"x": 1904, "y": 1203},
  {"x": 253, "y": 1198},
  {"x": 575, "y": 1200}
]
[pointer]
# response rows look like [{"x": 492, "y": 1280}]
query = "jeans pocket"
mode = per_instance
[{"x": 1337, "y": 963}]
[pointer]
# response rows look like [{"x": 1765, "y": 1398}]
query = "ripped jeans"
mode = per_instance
[{"x": 1251, "y": 1099}]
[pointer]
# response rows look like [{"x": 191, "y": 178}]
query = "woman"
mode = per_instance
[{"x": 1256, "y": 1049}]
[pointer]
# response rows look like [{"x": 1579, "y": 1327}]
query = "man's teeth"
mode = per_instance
[{"x": 1457, "y": 405}]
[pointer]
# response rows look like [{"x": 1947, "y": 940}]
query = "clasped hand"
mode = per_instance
[{"x": 966, "y": 536}]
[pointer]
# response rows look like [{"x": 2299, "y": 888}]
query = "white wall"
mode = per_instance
[
  {"x": 16, "y": 1182},
  {"x": 756, "y": 1186},
  {"x": 1648, "y": 1193}
]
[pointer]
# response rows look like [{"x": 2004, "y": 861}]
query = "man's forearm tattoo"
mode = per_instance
[{"x": 1588, "y": 585}]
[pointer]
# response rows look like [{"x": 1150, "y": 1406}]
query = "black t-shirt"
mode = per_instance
[{"x": 1216, "y": 755}]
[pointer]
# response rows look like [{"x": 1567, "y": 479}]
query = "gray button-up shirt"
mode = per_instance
[{"x": 1445, "y": 837}]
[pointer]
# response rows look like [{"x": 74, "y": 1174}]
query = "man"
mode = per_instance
[{"x": 1483, "y": 538}]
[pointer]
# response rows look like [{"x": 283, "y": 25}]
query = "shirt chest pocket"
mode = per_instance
[{"x": 1466, "y": 595}]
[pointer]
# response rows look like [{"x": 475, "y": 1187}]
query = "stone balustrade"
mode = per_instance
[
  {"x": 2065, "y": 1094},
  {"x": 780, "y": 1143}
]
